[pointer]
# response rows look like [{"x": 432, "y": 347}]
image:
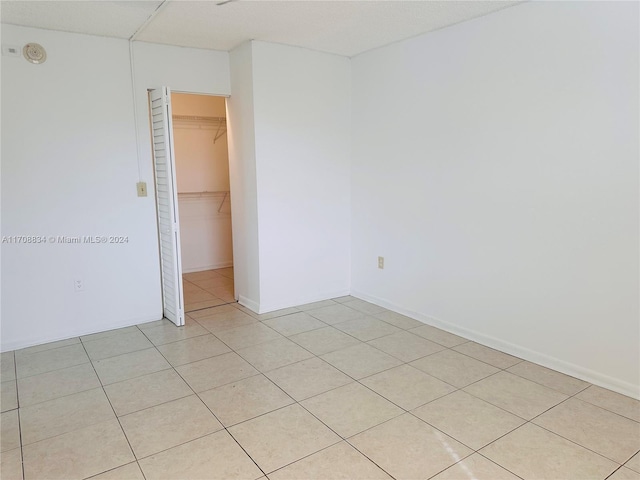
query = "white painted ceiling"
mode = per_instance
[
  {"x": 118, "y": 19},
  {"x": 335, "y": 26}
]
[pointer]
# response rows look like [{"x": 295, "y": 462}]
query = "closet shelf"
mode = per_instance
[
  {"x": 197, "y": 118},
  {"x": 219, "y": 122},
  {"x": 195, "y": 195},
  {"x": 221, "y": 193}
]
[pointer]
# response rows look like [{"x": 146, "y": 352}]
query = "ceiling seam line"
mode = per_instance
[
  {"x": 132, "y": 74},
  {"x": 148, "y": 20}
]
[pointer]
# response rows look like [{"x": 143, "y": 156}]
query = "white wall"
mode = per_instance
[
  {"x": 70, "y": 167},
  {"x": 495, "y": 167},
  {"x": 302, "y": 139},
  {"x": 242, "y": 176}
]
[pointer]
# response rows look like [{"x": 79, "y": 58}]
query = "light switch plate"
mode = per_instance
[{"x": 142, "y": 189}]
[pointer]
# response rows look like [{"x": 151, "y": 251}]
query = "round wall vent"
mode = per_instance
[{"x": 34, "y": 53}]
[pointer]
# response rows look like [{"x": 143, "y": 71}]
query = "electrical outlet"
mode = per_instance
[
  {"x": 142, "y": 189},
  {"x": 78, "y": 285},
  {"x": 381, "y": 263}
]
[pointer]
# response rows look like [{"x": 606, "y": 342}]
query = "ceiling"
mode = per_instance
[{"x": 335, "y": 26}]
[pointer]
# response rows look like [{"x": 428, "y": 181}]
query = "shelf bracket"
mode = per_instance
[
  {"x": 222, "y": 202},
  {"x": 219, "y": 133}
]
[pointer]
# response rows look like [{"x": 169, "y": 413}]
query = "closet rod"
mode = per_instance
[
  {"x": 200, "y": 118},
  {"x": 204, "y": 194}
]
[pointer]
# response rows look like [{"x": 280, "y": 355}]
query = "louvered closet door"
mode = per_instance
[{"x": 167, "y": 203}]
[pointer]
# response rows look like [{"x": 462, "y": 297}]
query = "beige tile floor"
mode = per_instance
[
  {"x": 339, "y": 389},
  {"x": 208, "y": 288}
]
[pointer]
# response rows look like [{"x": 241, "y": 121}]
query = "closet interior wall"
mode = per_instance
[{"x": 202, "y": 166}]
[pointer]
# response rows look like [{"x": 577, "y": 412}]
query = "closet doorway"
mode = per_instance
[{"x": 204, "y": 199}]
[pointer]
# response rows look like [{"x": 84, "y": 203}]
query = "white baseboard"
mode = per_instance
[
  {"x": 250, "y": 304},
  {"x": 202, "y": 268},
  {"x": 540, "y": 358},
  {"x": 272, "y": 307},
  {"x": 77, "y": 332}
]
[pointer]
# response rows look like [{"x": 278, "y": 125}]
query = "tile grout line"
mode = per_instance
[
  {"x": 473, "y": 450},
  {"x": 296, "y": 402},
  {"x": 573, "y": 441},
  {"x": 114, "y": 413},
  {"x": 328, "y": 447},
  {"x": 54, "y": 436},
  {"x": 530, "y": 421},
  {"x": 574, "y": 396},
  {"x": 578, "y": 444},
  {"x": 365, "y": 386},
  {"x": 214, "y": 416},
  {"x": 186, "y": 312},
  {"x": 163, "y": 403},
  {"x": 604, "y": 408},
  {"x": 493, "y": 461},
  {"x": 358, "y": 381},
  {"x": 54, "y": 370},
  {"x": 263, "y": 373},
  {"x": 15, "y": 373}
]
